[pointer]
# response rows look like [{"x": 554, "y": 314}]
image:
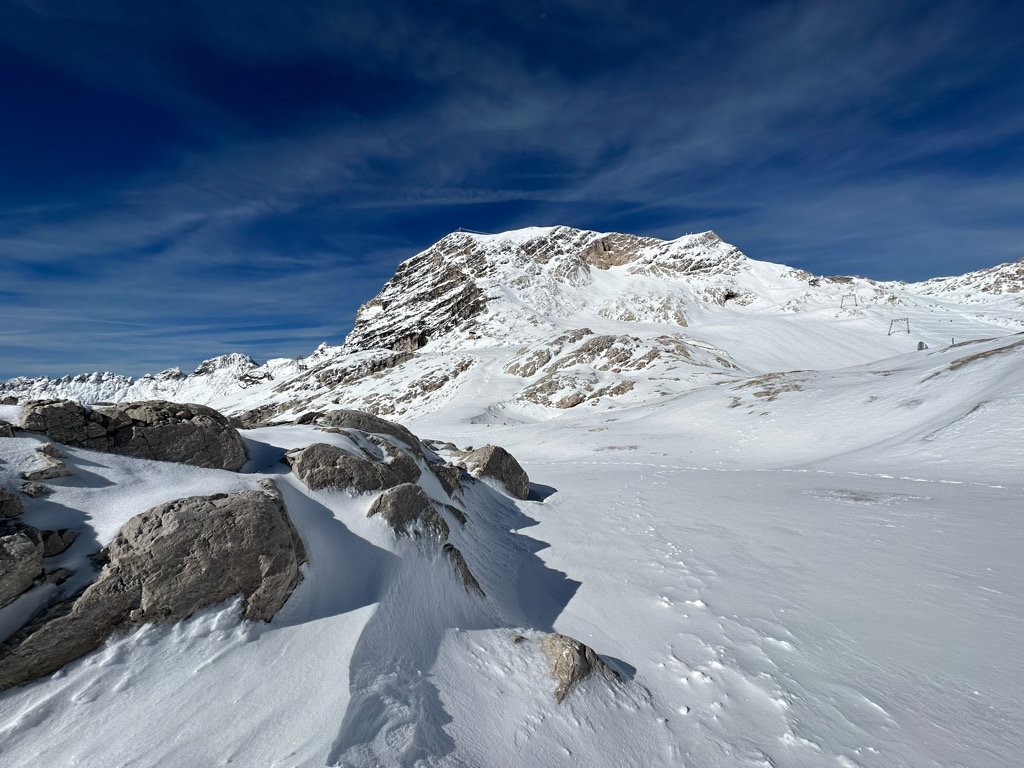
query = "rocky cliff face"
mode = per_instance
[{"x": 575, "y": 317}]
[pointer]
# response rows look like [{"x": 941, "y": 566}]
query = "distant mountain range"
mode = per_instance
[{"x": 551, "y": 318}]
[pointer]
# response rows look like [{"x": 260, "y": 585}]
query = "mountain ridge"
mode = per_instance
[{"x": 685, "y": 305}]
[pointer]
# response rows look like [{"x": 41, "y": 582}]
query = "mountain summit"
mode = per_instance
[{"x": 554, "y": 317}]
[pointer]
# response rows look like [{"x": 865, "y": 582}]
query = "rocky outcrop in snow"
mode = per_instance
[
  {"x": 322, "y": 465},
  {"x": 571, "y": 662},
  {"x": 164, "y": 565},
  {"x": 21, "y": 559},
  {"x": 10, "y": 504},
  {"x": 186, "y": 433},
  {"x": 495, "y": 462},
  {"x": 409, "y": 512}
]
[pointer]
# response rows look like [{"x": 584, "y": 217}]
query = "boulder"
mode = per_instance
[
  {"x": 571, "y": 661},
  {"x": 408, "y": 510},
  {"x": 365, "y": 422},
  {"x": 164, "y": 565},
  {"x": 494, "y": 461},
  {"x": 449, "y": 475},
  {"x": 6, "y": 429},
  {"x": 10, "y": 504},
  {"x": 321, "y": 465},
  {"x": 57, "y": 542},
  {"x": 398, "y": 460},
  {"x": 153, "y": 429},
  {"x": 21, "y": 559},
  {"x": 35, "y": 490},
  {"x": 47, "y": 468}
]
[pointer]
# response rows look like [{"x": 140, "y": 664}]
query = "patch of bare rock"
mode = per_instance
[
  {"x": 495, "y": 462},
  {"x": 165, "y": 564},
  {"x": 152, "y": 429},
  {"x": 570, "y": 662},
  {"x": 409, "y": 511}
]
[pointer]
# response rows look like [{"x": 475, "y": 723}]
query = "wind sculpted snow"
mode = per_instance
[{"x": 793, "y": 535}]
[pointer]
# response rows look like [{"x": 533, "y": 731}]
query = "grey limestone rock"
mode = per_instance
[
  {"x": 449, "y": 475},
  {"x": 164, "y": 565},
  {"x": 10, "y": 504},
  {"x": 21, "y": 559},
  {"x": 153, "y": 429},
  {"x": 56, "y": 542},
  {"x": 48, "y": 467},
  {"x": 571, "y": 661},
  {"x": 35, "y": 490},
  {"x": 409, "y": 511},
  {"x": 494, "y": 461},
  {"x": 321, "y": 465},
  {"x": 366, "y": 422},
  {"x": 462, "y": 570}
]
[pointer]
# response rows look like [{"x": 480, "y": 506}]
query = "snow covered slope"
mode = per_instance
[
  {"x": 794, "y": 534},
  {"x": 661, "y": 317}
]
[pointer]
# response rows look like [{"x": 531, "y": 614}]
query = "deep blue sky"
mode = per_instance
[{"x": 183, "y": 179}]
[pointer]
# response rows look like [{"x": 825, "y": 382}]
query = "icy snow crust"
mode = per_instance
[{"x": 798, "y": 538}]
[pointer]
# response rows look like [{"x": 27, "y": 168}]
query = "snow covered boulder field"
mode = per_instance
[{"x": 560, "y": 498}]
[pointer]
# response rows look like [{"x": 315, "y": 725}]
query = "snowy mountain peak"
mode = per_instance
[{"x": 487, "y": 286}]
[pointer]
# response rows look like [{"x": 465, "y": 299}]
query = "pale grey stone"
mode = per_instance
[
  {"x": 155, "y": 429},
  {"x": 164, "y": 565},
  {"x": 409, "y": 511},
  {"x": 571, "y": 661},
  {"x": 494, "y": 461},
  {"x": 322, "y": 465},
  {"x": 10, "y": 504},
  {"x": 21, "y": 559}
]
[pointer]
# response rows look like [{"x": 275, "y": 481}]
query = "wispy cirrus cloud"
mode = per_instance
[{"x": 242, "y": 176}]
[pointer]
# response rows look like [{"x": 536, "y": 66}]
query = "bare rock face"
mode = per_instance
[
  {"x": 10, "y": 504},
  {"x": 48, "y": 466},
  {"x": 462, "y": 569},
  {"x": 35, "y": 490},
  {"x": 164, "y": 565},
  {"x": 571, "y": 661},
  {"x": 366, "y": 422},
  {"x": 153, "y": 429},
  {"x": 408, "y": 510},
  {"x": 494, "y": 461},
  {"x": 21, "y": 559},
  {"x": 321, "y": 465},
  {"x": 449, "y": 475},
  {"x": 6, "y": 429},
  {"x": 56, "y": 542}
]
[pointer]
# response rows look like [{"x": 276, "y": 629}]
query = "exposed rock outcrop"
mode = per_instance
[
  {"x": 571, "y": 662},
  {"x": 462, "y": 569},
  {"x": 365, "y": 422},
  {"x": 408, "y": 510},
  {"x": 57, "y": 542},
  {"x": 36, "y": 490},
  {"x": 6, "y": 429},
  {"x": 10, "y": 504},
  {"x": 164, "y": 565},
  {"x": 449, "y": 475},
  {"x": 494, "y": 461},
  {"x": 154, "y": 429},
  {"x": 322, "y": 465},
  {"x": 49, "y": 465},
  {"x": 21, "y": 559}
]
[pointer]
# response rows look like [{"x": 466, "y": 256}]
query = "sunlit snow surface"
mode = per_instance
[
  {"x": 801, "y": 545},
  {"x": 830, "y": 576}
]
